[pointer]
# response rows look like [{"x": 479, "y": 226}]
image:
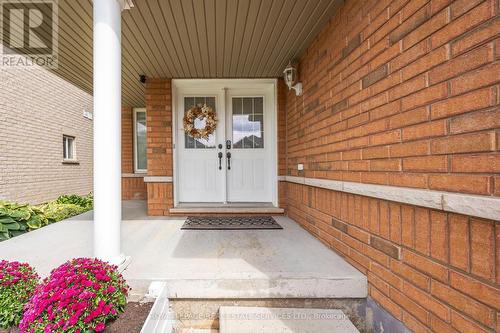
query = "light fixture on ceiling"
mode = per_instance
[{"x": 291, "y": 77}]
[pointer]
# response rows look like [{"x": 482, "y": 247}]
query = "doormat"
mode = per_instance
[{"x": 230, "y": 223}]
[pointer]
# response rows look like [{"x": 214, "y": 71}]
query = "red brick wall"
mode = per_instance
[
  {"x": 405, "y": 93},
  {"x": 432, "y": 270},
  {"x": 133, "y": 188},
  {"x": 402, "y": 93},
  {"x": 159, "y": 142},
  {"x": 281, "y": 97}
]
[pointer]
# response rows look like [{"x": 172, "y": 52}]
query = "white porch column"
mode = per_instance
[{"x": 107, "y": 130}]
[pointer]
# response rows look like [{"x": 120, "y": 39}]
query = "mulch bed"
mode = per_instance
[{"x": 130, "y": 321}]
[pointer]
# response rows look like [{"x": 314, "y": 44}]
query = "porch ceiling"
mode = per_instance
[{"x": 193, "y": 39}]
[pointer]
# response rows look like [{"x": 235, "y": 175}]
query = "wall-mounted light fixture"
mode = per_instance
[{"x": 291, "y": 78}]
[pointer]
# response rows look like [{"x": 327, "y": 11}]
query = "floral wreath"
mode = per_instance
[{"x": 200, "y": 112}]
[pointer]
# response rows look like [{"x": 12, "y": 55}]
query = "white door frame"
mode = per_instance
[{"x": 181, "y": 86}]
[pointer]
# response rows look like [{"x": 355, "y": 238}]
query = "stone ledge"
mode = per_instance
[
  {"x": 158, "y": 179},
  {"x": 473, "y": 205},
  {"x": 133, "y": 175}
]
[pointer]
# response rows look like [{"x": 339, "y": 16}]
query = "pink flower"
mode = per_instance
[
  {"x": 76, "y": 297},
  {"x": 100, "y": 327}
]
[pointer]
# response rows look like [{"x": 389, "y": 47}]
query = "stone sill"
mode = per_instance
[
  {"x": 134, "y": 175},
  {"x": 70, "y": 162},
  {"x": 467, "y": 204}
]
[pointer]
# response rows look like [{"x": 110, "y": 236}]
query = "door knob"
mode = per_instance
[
  {"x": 228, "y": 155},
  {"x": 220, "y": 160}
]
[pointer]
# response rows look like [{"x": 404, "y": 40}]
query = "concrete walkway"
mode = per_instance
[{"x": 288, "y": 263}]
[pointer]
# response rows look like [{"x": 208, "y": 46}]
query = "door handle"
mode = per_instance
[
  {"x": 228, "y": 155},
  {"x": 220, "y": 160}
]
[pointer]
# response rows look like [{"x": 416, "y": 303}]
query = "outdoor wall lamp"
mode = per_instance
[{"x": 291, "y": 78}]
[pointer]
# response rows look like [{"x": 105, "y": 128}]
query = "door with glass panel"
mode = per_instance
[
  {"x": 249, "y": 119},
  {"x": 235, "y": 164},
  {"x": 201, "y": 176}
]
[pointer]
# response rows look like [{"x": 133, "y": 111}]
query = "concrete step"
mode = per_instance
[{"x": 283, "y": 320}]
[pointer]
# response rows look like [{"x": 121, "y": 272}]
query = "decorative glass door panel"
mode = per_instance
[
  {"x": 248, "y": 180},
  {"x": 189, "y": 142},
  {"x": 200, "y": 179}
]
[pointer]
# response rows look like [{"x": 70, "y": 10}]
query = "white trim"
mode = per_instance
[
  {"x": 275, "y": 143},
  {"x": 159, "y": 319},
  {"x": 158, "y": 179},
  {"x": 134, "y": 136},
  {"x": 126, "y": 4},
  {"x": 199, "y": 86},
  {"x": 66, "y": 139},
  {"x": 473, "y": 205}
]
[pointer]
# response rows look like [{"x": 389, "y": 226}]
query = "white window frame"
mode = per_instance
[
  {"x": 65, "y": 148},
  {"x": 134, "y": 125}
]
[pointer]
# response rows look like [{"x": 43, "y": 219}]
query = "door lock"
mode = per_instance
[{"x": 228, "y": 144}]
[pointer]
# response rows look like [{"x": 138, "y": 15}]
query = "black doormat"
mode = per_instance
[{"x": 230, "y": 223}]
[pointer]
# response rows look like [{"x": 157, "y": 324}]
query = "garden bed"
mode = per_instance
[
  {"x": 16, "y": 219},
  {"x": 130, "y": 321}
]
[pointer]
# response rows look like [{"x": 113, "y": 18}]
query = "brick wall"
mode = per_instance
[
  {"x": 405, "y": 93},
  {"x": 133, "y": 186},
  {"x": 36, "y": 109},
  {"x": 402, "y": 93},
  {"x": 159, "y": 142},
  {"x": 281, "y": 97}
]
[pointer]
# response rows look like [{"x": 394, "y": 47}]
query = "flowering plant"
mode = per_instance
[
  {"x": 79, "y": 296},
  {"x": 17, "y": 283}
]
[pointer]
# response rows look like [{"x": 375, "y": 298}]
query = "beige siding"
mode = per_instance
[{"x": 36, "y": 109}]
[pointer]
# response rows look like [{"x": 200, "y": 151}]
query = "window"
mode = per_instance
[
  {"x": 140, "y": 148},
  {"x": 69, "y": 148},
  {"x": 248, "y": 122}
]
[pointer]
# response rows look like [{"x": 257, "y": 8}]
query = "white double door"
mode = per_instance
[{"x": 237, "y": 162}]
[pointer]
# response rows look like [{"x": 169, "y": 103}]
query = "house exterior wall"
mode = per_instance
[
  {"x": 404, "y": 93},
  {"x": 281, "y": 102},
  {"x": 160, "y": 148},
  {"x": 36, "y": 109},
  {"x": 133, "y": 186}
]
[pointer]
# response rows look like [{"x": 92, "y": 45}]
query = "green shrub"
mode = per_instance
[
  {"x": 17, "y": 284},
  {"x": 86, "y": 201},
  {"x": 55, "y": 212},
  {"x": 16, "y": 219}
]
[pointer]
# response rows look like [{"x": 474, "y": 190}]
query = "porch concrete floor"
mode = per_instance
[{"x": 288, "y": 263}]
